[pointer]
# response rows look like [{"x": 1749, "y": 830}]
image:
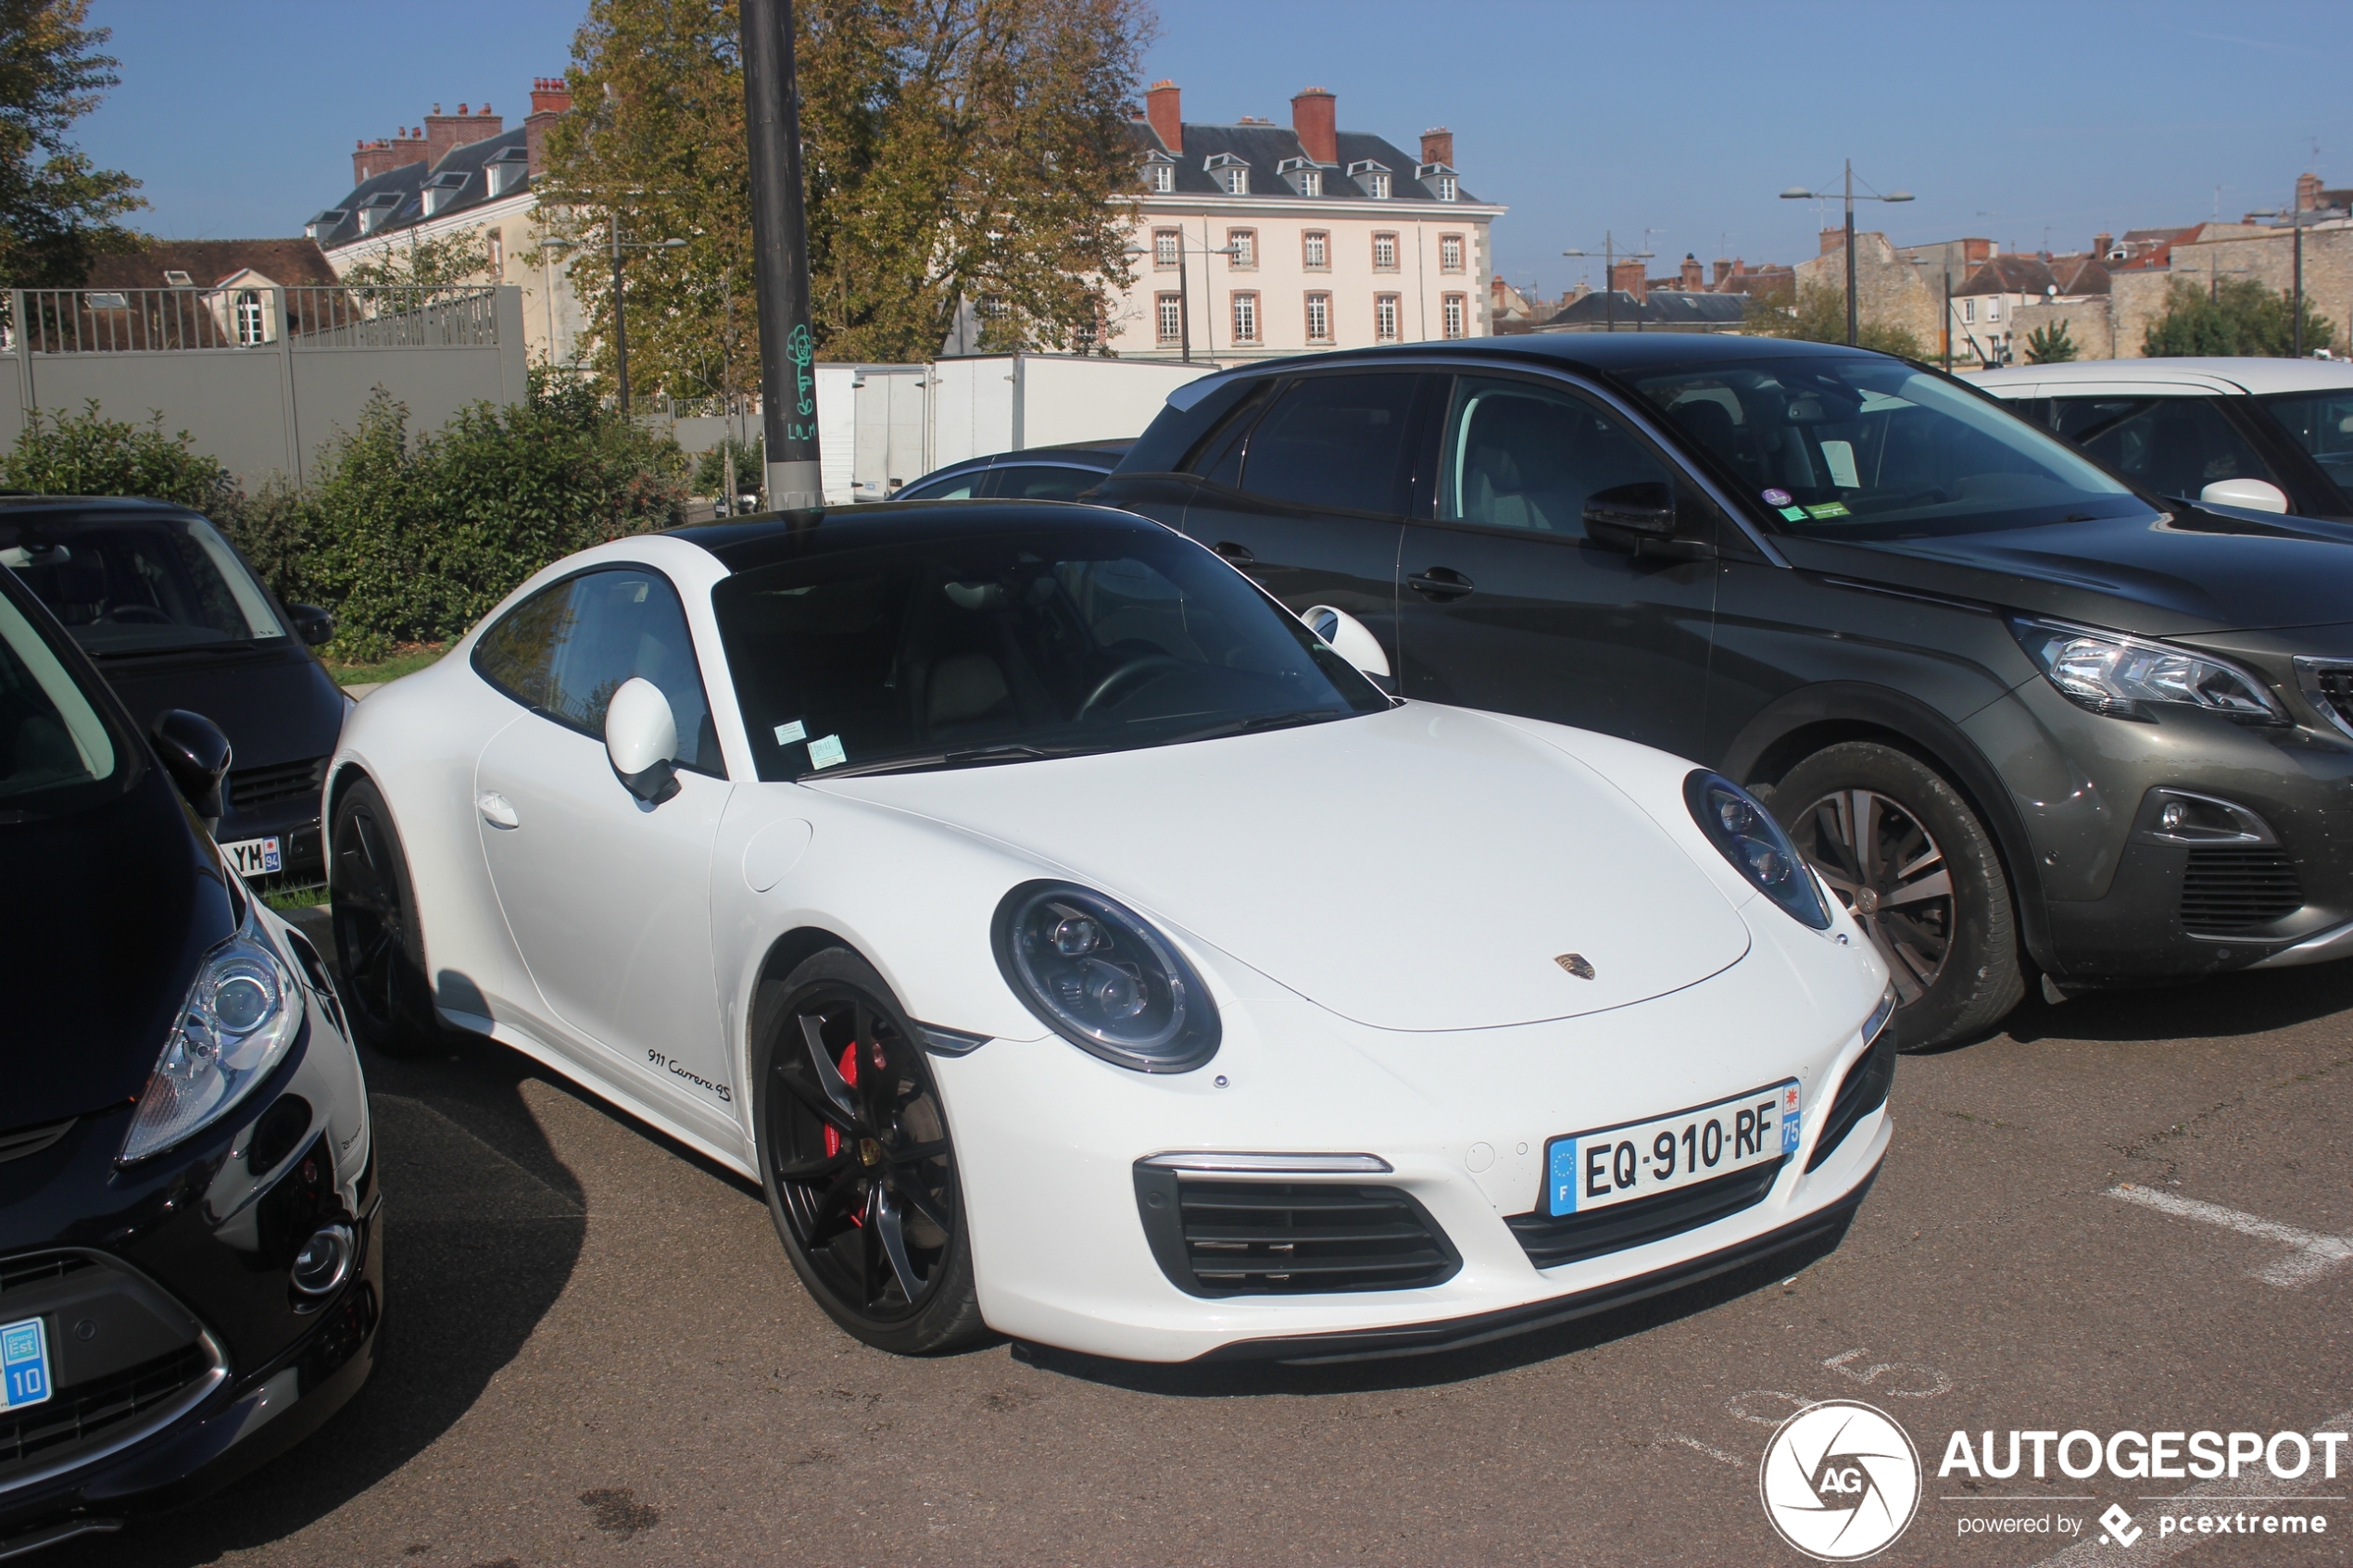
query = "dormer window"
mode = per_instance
[
  {"x": 1159, "y": 173},
  {"x": 1371, "y": 177},
  {"x": 1440, "y": 181},
  {"x": 1231, "y": 173},
  {"x": 441, "y": 191},
  {"x": 174, "y": 278},
  {"x": 1304, "y": 177},
  {"x": 378, "y": 211},
  {"x": 249, "y": 319},
  {"x": 326, "y": 220},
  {"x": 505, "y": 172}
]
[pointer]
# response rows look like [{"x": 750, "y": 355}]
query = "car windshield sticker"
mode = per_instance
[
  {"x": 1793, "y": 514},
  {"x": 24, "y": 1364},
  {"x": 1833, "y": 508},
  {"x": 1777, "y": 498},
  {"x": 787, "y": 733},
  {"x": 825, "y": 751},
  {"x": 1838, "y": 456}
]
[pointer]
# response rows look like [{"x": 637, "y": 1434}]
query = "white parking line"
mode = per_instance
[
  {"x": 2314, "y": 1253},
  {"x": 2219, "y": 1497}
]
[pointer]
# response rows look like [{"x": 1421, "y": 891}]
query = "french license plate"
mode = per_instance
[
  {"x": 24, "y": 1363},
  {"x": 1637, "y": 1160},
  {"x": 254, "y": 857}
]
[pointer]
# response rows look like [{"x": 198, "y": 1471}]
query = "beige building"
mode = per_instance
[{"x": 1255, "y": 240}]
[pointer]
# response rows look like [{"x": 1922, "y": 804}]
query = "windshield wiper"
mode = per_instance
[
  {"x": 976, "y": 757},
  {"x": 1258, "y": 721}
]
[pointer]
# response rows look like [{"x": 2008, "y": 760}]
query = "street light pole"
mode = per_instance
[
  {"x": 780, "y": 257},
  {"x": 1798, "y": 193},
  {"x": 1609, "y": 277},
  {"x": 1184, "y": 301},
  {"x": 2296, "y": 221}
]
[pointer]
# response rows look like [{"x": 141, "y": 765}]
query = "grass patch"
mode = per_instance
[
  {"x": 407, "y": 659},
  {"x": 284, "y": 898}
]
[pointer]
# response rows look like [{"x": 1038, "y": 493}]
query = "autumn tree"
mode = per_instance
[
  {"x": 953, "y": 150},
  {"x": 57, "y": 209}
]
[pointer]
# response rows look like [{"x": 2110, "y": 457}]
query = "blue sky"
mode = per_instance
[{"x": 1678, "y": 121}]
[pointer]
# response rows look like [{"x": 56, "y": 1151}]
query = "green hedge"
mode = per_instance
[{"x": 409, "y": 540}]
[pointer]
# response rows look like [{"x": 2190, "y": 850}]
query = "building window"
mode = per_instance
[
  {"x": 1319, "y": 317},
  {"x": 1164, "y": 252},
  {"x": 1311, "y": 182},
  {"x": 1245, "y": 318},
  {"x": 1377, "y": 185},
  {"x": 1457, "y": 315},
  {"x": 1384, "y": 253},
  {"x": 1994, "y": 308},
  {"x": 249, "y": 319},
  {"x": 1242, "y": 247},
  {"x": 495, "y": 247},
  {"x": 1316, "y": 250},
  {"x": 1384, "y": 318},
  {"x": 1234, "y": 177},
  {"x": 1446, "y": 188},
  {"x": 1450, "y": 253},
  {"x": 1968, "y": 310},
  {"x": 1170, "y": 309},
  {"x": 1161, "y": 177}
]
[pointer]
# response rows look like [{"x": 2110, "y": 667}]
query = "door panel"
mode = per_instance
[{"x": 1508, "y": 606}]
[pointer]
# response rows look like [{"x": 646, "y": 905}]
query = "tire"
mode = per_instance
[
  {"x": 380, "y": 949},
  {"x": 856, "y": 1162},
  {"x": 1945, "y": 924}
]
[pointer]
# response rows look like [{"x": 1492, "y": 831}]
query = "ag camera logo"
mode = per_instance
[{"x": 1840, "y": 1480}]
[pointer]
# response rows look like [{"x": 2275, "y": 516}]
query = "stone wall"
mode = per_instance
[
  {"x": 2088, "y": 323},
  {"x": 1887, "y": 288}
]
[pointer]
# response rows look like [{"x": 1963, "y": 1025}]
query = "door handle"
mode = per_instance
[
  {"x": 1237, "y": 554},
  {"x": 497, "y": 809},
  {"x": 1440, "y": 584}
]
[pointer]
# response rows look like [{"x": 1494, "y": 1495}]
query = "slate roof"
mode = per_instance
[
  {"x": 1665, "y": 307},
  {"x": 1263, "y": 149},
  {"x": 208, "y": 262},
  {"x": 2033, "y": 275},
  {"x": 402, "y": 189}
]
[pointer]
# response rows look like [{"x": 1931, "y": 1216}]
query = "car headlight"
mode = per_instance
[
  {"x": 240, "y": 1019},
  {"x": 1098, "y": 974},
  {"x": 2113, "y": 674},
  {"x": 1749, "y": 838}
]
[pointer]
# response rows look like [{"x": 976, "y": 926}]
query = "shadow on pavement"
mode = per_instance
[
  {"x": 482, "y": 1226},
  {"x": 2251, "y": 1002}
]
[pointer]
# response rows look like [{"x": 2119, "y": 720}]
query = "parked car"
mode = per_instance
[
  {"x": 2020, "y": 715},
  {"x": 2272, "y": 436},
  {"x": 177, "y": 619},
  {"x": 190, "y": 1258},
  {"x": 1034, "y": 473},
  {"x": 1072, "y": 943}
]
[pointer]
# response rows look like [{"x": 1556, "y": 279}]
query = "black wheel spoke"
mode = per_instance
[
  {"x": 924, "y": 1204},
  {"x": 834, "y": 1209},
  {"x": 885, "y": 1225},
  {"x": 869, "y": 1235},
  {"x": 829, "y": 1079},
  {"x": 914, "y": 1153},
  {"x": 810, "y": 1170},
  {"x": 818, "y": 1101}
]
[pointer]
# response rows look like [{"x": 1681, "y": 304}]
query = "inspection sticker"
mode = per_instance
[
  {"x": 1830, "y": 509},
  {"x": 825, "y": 751},
  {"x": 1776, "y": 497},
  {"x": 24, "y": 1363},
  {"x": 787, "y": 733}
]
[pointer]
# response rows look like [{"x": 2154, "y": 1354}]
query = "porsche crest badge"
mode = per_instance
[{"x": 1575, "y": 963}]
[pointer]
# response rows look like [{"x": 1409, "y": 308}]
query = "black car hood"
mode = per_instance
[
  {"x": 106, "y": 915},
  {"x": 2201, "y": 571},
  {"x": 274, "y": 704}
]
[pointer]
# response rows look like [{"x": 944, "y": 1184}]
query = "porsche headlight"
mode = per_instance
[
  {"x": 1098, "y": 974},
  {"x": 241, "y": 1017},
  {"x": 2113, "y": 674},
  {"x": 1748, "y": 836}
]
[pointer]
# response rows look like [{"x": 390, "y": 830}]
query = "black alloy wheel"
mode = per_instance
[
  {"x": 1910, "y": 859},
  {"x": 379, "y": 947},
  {"x": 856, "y": 1162}
]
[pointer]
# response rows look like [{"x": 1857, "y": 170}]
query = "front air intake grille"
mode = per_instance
[
  {"x": 2229, "y": 890},
  {"x": 16, "y": 1274},
  {"x": 1550, "y": 1242},
  {"x": 1289, "y": 1239},
  {"x": 1862, "y": 1091},
  {"x": 251, "y": 787},
  {"x": 2330, "y": 686},
  {"x": 88, "y": 1413}
]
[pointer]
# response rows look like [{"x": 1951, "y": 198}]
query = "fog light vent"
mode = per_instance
[{"x": 325, "y": 1261}]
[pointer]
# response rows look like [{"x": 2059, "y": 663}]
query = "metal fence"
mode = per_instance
[
  {"x": 165, "y": 319},
  {"x": 391, "y": 317}
]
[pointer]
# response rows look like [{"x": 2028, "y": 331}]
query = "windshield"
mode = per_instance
[
  {"x": 57, "y": 753},
  {"x": 958, "y": 652},
  {"x": 1869, "y": 448},
  {"x": 2322, "y": 425},
  {"x": 139, "y": 584}
]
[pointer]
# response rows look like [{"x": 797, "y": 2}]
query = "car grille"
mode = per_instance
[
  {"x": 2333, "y": 684},
  {"x": 251, "y": 787},
  {"x": 1290, "y": 1238},
  {"x": 87, "y": 1414},
  {"x": 1862, "y": 1091},
  {"x": 2238, "y": 889},
  {"x": 1551, "y": 1242},
  {"x": 18, "y": 1272}
]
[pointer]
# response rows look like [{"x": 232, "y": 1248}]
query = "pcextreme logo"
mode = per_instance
[{"x": 1840, "y": 1480}]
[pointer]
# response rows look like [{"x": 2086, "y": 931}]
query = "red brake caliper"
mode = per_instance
[{"x": 848, "y": 1065}]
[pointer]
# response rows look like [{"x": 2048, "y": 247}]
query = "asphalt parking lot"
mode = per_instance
[{"x": 598, "y": 1354}]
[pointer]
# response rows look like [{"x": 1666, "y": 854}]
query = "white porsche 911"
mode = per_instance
[{"x": 1076, "y": 945}]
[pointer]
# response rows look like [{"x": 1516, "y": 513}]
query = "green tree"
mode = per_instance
[
  {"x": 56, "y": 209},
  {"x": 447, "y": 261},
  {"x": 2052, "y": 344},
  {"x": 2239, "y": 317},
  {"x": 1819, "y": 315},
  {"x": 955, "y": 149}
]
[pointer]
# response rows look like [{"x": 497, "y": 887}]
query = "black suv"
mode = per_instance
[{"x": 2019, "y": 715}]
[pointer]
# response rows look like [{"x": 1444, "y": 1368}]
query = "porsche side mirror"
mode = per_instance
[
  {"x": 312, "y": 624},
  {"x": 2255, "y": 495},
  {"x": 197, "y": 755},
  {"x": 1350, "y": 638},
  {"x": 641, "y": 739}
]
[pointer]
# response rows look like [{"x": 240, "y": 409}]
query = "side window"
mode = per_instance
[
  {"x": 1041, "y": 481},
  {"x": 1336, "y": 442},
  {"x": 1518, "y": 456},
  {"x": 564, "y": 651},
  {"x": 2171, "y": 445},
  {"x": 958, "y": 487}
]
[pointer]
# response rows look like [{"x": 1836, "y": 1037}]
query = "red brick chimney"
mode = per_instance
[
  {"x": 550, "y": 99},
  {"x": 445, "y": 133},
  {"x": 1314, "y": 119},
  {"x": 2101, "y": 245},
  {"x": 371, "y": 158},
  {"x": 1438, "y": 145},
  {"x": 1694, "y": 277},
  {"x": 1163, "y": 109},
  {"x": 2308, "y": 192},
  {"x": 1723, "y": 271},
  {"x": 1626, "y": 277}
]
